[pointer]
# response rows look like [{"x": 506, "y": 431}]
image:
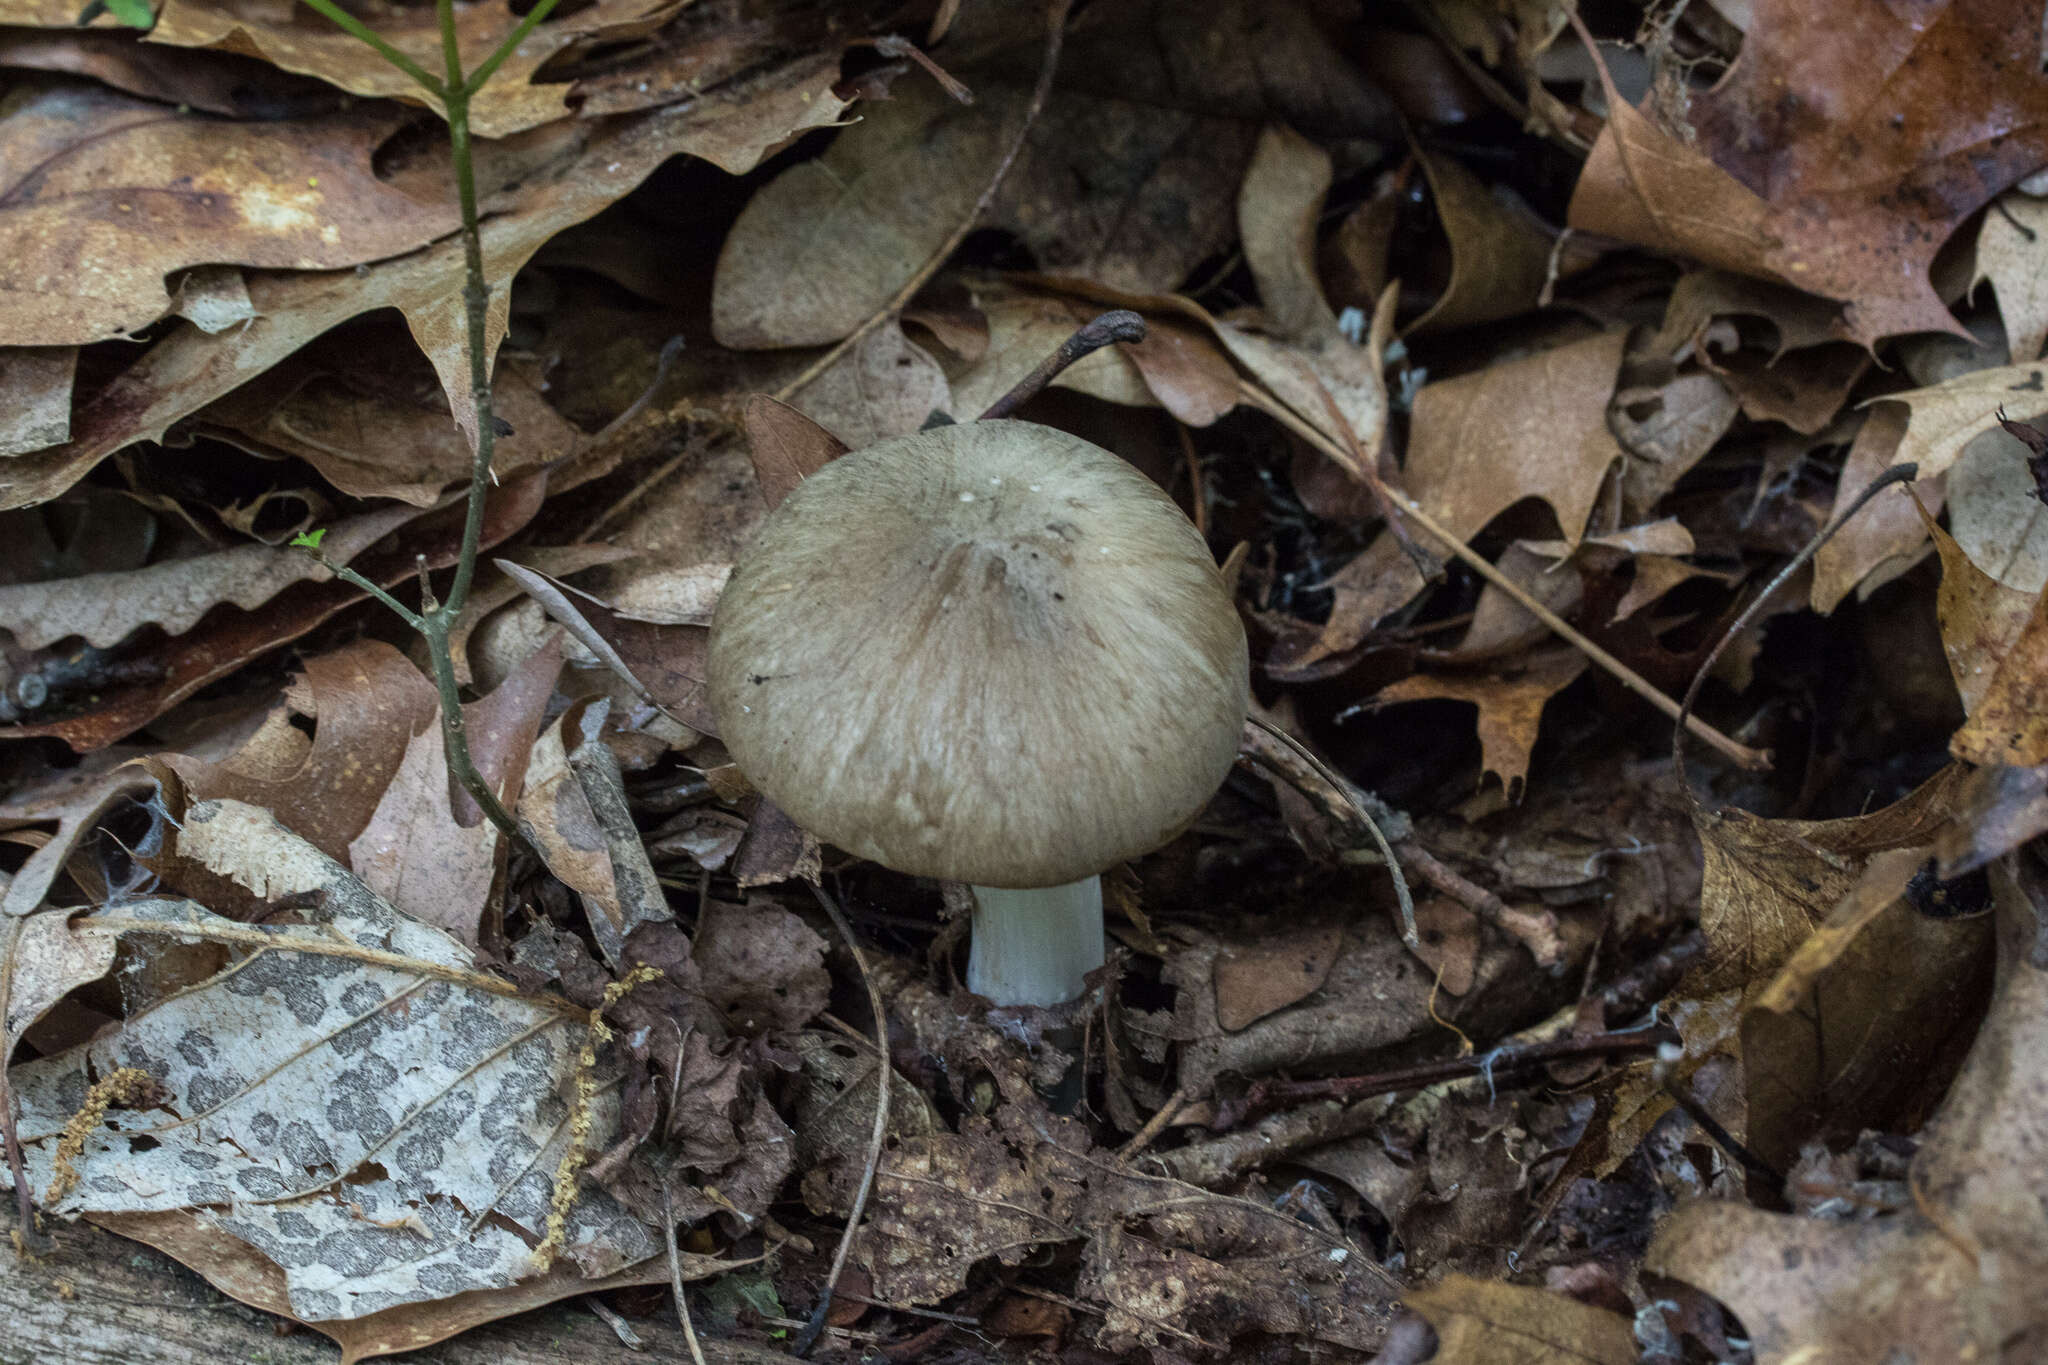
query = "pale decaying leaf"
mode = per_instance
[
  {"x": 35, "y": 397},
  {"x": 1955, "y": 1275},
  {"x": 189, "y": 369},
  {"x": 575, "y": 814},
  {"x": 885, "y": 385},
  {"x": 351, "y": 1098},
  {"x": 1981, "y": 619},
  {"x": 1482, "y": 1322},
  {"x": 2010, "y": 254},
  {"x": 1996, "y": 514},
  {"x": 1024, "y": 327}
]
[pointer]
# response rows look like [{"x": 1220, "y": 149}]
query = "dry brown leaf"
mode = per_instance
[
  {"x": 236, "y": 87},
  {"x": 763, "y": 966},
  {"x": 664, "y": 665},
  {"x": 1996, "y": 514},
  {"x": 1769, "y": 883},
  {"x": 1700, "y": 296},
  {"x": 1487, "y": 1322},
  {"x": 1024, "y": 327},
  {"x": 415, "y": 850},
  {"x": 1803, "y": 389},
  {"x": 231, "y": 637},
  {"x": 369, "y": 701},
  {"x": 1798, "y": 173},
  {"x": 787, "y": 447},
  {"x": 376, "y": 427},
  {"x": 1135, "y": 195},
  {"x": 1254, "y": 980},
  {"x": 1500, "y": 255},
  {"x": 2008, "y": 726},
  {"x": 298, "y": 39},
  {"x": 1510, "y": 707},
  {"x": 35, "y": 397},
  {"x": 110, "y": 194},
  {"x": 2010, "y": 254},
  {"x": 1958, "y": 1274},
  {"x": 1887, "y": 534},
  {"x": 1535, "y": 427},
  {"x": 1853, "y": 1029},
  {"x": 1981, "y": 619},
  {"x": 1180, "y": 361},
  {"x": 104, "y": 608},
  {"x": 188, "y": 368},
  {"x": 1666, "y": 431}
]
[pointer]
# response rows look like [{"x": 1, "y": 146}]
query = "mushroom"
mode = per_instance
[{"x": 992, "y": 653}]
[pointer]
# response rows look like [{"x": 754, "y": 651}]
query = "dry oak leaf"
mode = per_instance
[
  {"x": 1957, "y": 1275},
  {"x": 2012, "y": 253},
  {"x": 297, "y": 39},
  {"x": 35, "y": 397},
  {"x": 2008, "y": 726},
  {"x": 1510, "y": 707},
  {"x": 351, "y": 1097},
  {"x": 1769, "y": 883},
  {"x": 1981, "y": 619},
  {"x": 1025, "y": 326},
  {"x": 1500, "y": 255},
  {"x": 1854, "y": 1029},
  {"x": 1838, "y": 154},
  {"x": 1533, "y": 427},
  {"x": 104, "y": 195},
  {"x": 598, "y": 164},
  {"x": 1488, "y": 1322}
]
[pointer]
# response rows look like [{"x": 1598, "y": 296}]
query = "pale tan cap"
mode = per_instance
[{"x": 990, "y": 652}]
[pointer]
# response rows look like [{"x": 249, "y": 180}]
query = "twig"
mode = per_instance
[
  {"x": 808, "y": 1338},
  {"x": 1154, "y": 1126},
  {"x": 1536, "y": 929},
  {"x": 1055, "y": 36},
  {"x": 1681, "y": 1095},
  {"x": 1750, "y": 759},
  {"x": 1267, "y": 1095},
  {"x": 1119, "y": 324},
  {"x": 675, "y": 1273}
]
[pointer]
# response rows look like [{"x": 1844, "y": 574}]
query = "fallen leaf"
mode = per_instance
[
  {"x": 225, "y": 84},
  {"x": 1487, "y": 1322},
  {"x": 446, "y": 1166},
  {"x": 1666, "y": 431},
  {"x": 763, "y": 966},
  {"x": 1500, "y": 255},
  {"x": 1024, "y": 327},
  {"x": 103, "y": 609},
  {"x": 1798, "y": 170},
  {"x": 415, "y": 850},
  {"x": 1854, "y": 1026},
  {"x": 1803, "y": 389},
  {"x": 369, "y": 701},
  {"x": 1510, "y": 707},
  {"x": 1769, "y": 883},
  {"x": 1953, "y": 1276},
  {"x": 1534, "y": 427},
  {"x": 1981, "y": 619},
  {"x": 112, "y": 193},
  {"x": 575, "y": 815},
  {"x": 1996, "y": 514},
  {"x": 1254, "y": 980},
  {"x": 664, "y": 665},
  {"x": 1799, "y": 319},
  {"x": 886, "y": 385},
  {"x": 232, "y": 636},
  {"x": 2010, "y": 255},
  {"x": 2009, "y": 724},
  {"x": 188, "y": 369},
  {"x": 787, "y": 447},
  {"x": 1888, "y": 532},
  {"x": 298, "y": 39},
  {"x": 35, "y": 395}
]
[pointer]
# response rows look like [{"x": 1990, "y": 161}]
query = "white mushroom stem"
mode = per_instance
[{"x": 1036, "y": 945}]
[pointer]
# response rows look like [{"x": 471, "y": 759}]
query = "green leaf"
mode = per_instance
[
  {"x": 132, "y": 13},
  {"x": 309, "y": 540}
]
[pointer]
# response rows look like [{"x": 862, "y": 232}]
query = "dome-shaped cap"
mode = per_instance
[{"x": 990, "y": 652}]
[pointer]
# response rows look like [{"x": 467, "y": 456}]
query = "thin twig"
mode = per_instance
[
  {"x": 1055, "y": 36},
  {"x": 808, "y": 1338},
  {"x": 1537, "y": 930},
  {"x": 1119, "y": 324},
  {"x": 675, "y": 1274},
  {"x": 1154, "y": 1126},
  {"x": 1745, "y": 757}
]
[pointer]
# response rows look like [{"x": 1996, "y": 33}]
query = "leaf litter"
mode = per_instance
[{"x": 1684, "y": 1063}]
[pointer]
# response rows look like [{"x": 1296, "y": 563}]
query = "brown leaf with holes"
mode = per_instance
[
  {"x": 1510, "y": 706},
  {"x": 762, "y": 965}
]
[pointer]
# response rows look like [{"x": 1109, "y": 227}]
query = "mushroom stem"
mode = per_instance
[{"x": 1035, "y": 945}]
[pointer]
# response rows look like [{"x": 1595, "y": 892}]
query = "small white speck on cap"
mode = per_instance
[
  {"x": 995, "y": 481},
  {"x": 1104, "y": 550},
  {"x": 1034, "y": 487},
  {"x": 967, "y": 497}
]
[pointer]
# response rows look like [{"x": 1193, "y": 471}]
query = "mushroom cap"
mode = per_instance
[{"x": 990, "y": 652}]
